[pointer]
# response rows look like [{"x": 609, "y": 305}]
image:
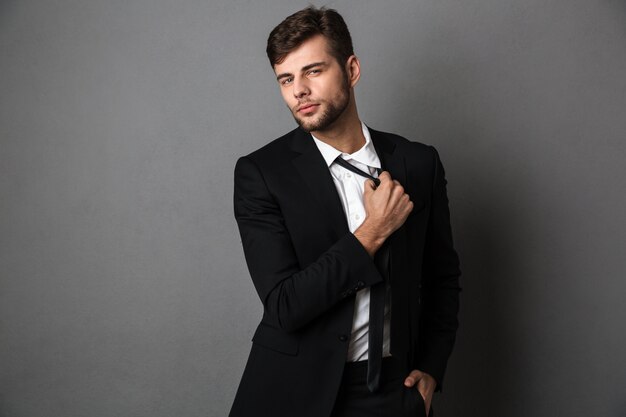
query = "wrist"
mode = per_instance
[{"x": 370, "y": 240}]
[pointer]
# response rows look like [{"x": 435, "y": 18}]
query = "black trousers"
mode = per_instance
[{"x": 393, "y": 399}]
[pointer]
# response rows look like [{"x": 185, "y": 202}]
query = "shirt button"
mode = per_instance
[
  {"x": 343, "y": 338},
  {"x": 357, "y": 217},
  {"x": 348, "y": 175}
]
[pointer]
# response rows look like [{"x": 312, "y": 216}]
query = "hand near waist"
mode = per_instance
[{"x": 425, "y": 385}]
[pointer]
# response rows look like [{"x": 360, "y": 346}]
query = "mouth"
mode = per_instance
[{"x": 306, "y": 107}]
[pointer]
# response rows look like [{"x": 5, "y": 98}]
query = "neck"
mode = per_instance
[{"x": 345, "y": 134}]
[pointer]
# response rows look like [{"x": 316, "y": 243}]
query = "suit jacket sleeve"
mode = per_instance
[
  {"x": 292, "y": 295},
  {"x": 440, "y": 284}
]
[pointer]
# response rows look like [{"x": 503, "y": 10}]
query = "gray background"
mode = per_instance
[{"x": 123, "y": 287}]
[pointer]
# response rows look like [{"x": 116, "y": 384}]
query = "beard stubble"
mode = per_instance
[{"x": 331, "y": 113}]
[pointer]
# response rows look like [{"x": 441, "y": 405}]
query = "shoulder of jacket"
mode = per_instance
[
  {"x": 273, "y": 151},
  {"x": 406, "y": 145}
]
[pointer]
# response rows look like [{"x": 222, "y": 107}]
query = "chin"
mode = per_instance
[{"x": 308, "y": 125}]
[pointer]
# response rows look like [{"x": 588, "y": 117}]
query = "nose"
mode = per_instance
[{"x": 300, "y": 88}]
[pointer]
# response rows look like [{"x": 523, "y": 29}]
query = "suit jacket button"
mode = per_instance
[
  {"x": 360, "y": 284},
  {"x": 343, "y": 338}
]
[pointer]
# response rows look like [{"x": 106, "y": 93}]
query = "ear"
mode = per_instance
[{"x": 353, "y": 69}]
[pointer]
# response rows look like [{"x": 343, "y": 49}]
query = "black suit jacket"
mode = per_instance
[{"x": 306, "y": 267}]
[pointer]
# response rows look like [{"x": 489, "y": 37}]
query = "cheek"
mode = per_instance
[{"x": 331, "y": 90}]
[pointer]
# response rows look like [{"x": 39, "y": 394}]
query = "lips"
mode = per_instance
[{"x": 307, "y": 107}]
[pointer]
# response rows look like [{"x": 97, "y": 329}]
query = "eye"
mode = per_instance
[
  {"x": 314, "y": 71},
  {"x": 286, "y": 80}
]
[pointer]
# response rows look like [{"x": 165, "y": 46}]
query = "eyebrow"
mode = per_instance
[{"x": 303, "y": 69}]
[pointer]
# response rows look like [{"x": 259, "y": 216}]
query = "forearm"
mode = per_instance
[
  {"x": 293, "y": 294},
  {"x": 306, "y": 294},
  {"x": 369, "y": 239}
]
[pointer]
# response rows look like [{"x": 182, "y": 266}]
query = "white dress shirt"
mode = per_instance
[{"x": 350, "y": 187}]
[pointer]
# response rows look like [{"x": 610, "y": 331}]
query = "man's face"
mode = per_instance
[{"x": 314, "y": 85}]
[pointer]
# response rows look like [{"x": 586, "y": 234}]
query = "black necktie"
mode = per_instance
[
  {"x": 347, "y": 165},
  {"x": 377, "y": 301}
]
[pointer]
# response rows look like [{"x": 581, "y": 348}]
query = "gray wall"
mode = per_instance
[{"x": 123, "y": 287}]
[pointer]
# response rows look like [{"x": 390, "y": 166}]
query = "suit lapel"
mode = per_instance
[
  {"x": 313, "y": 169},
  {"x": 390, "y": 160},
  {"x": 393, "y": 162}
]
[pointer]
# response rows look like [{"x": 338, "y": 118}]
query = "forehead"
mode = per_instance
[{"x": 312, "y": 50}]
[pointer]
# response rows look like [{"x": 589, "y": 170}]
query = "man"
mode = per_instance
[{"x": 356, "y": 270}]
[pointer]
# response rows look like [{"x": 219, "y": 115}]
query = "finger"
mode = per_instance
[
  {"x": 396, "y": 195},
  {"x": 408, "y": 204},
  {"x": 384, "y": 177},
  {"x": 422, "y": 393},
  {"x": 426, "y": 396},
  {"x": 404, "y": 210},
  {"x": 413, "y": 377},
  {"x": 398, "y": 188},
  {"x": 422, "y": 387},
  {"x": 369, "y": 185}
]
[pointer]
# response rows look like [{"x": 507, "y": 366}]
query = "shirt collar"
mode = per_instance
[{"x": 366, "y": 155}]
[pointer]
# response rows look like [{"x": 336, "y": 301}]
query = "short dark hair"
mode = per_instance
[{"x": 303, "y": 25}]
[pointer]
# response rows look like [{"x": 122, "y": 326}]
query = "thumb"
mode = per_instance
[
  {"x": 369, "y": 186},
  {"x": 413, "y": 377}
]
